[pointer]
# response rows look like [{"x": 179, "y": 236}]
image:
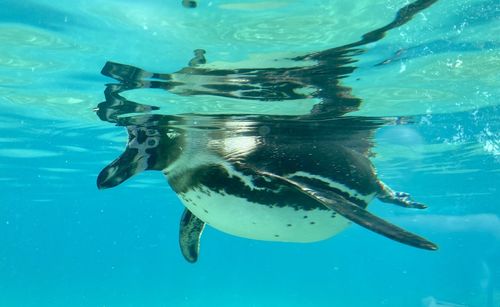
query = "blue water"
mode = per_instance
[{"x": 63, "y": 242}]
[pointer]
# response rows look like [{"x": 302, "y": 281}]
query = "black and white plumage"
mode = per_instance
[
  {"x": 274, "y": 177},
  {"x": 262, "y": 179}
]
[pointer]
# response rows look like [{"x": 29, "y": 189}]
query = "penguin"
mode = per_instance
[{"x": 276, "y": 177}]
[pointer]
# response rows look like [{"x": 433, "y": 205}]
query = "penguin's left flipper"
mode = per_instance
[
  {"x": 357, "y": 214},
  {"x": 190, "y": 232},
  {"x": 387, "y": 195}
]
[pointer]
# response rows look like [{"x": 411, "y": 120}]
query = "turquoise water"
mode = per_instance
[{"x": 66, "y": 243}]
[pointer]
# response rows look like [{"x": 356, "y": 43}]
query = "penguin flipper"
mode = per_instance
[
  {"x": 190, "y": 232},
  {"x": 364, "y": 218},
  {"x": 357, "y": 214}
]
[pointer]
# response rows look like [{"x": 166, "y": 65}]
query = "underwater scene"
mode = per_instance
[{"x": 250, "y": 153}]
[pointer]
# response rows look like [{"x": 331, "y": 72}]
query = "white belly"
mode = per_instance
[{"x": 241, "y": 218}]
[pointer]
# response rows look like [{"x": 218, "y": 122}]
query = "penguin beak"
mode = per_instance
[{"x": 123, "y": 168}]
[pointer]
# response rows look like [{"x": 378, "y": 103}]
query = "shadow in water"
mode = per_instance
[{"x": 278, "y": 177}]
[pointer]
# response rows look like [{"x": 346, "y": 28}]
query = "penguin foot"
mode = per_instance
[{"x": 402, "y": 199}]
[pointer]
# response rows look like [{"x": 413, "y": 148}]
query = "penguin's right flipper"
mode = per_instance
[{"x": 356, "y": 214}]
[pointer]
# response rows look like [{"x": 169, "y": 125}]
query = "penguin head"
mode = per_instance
[{"x": 148, "y": 148}]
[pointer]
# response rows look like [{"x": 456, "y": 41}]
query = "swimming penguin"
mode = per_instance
[
  {"x": 276, "y": 177},
  {"x": 262, "y": 177}
]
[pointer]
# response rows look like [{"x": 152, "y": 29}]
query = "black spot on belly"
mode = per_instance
[
  {"x": 206, "y": 211},
  {"x": 289, "y": 225},
  {"x": 312, "y": 223},
  {"x": 305, "y": 216},
  {"x": 277, "y": 236}
]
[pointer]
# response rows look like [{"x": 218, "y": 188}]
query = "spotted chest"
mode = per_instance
[{"x": 241, "y": 217}]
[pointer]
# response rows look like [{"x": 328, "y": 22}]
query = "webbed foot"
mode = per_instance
[{"x": 402, "y": 199}]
